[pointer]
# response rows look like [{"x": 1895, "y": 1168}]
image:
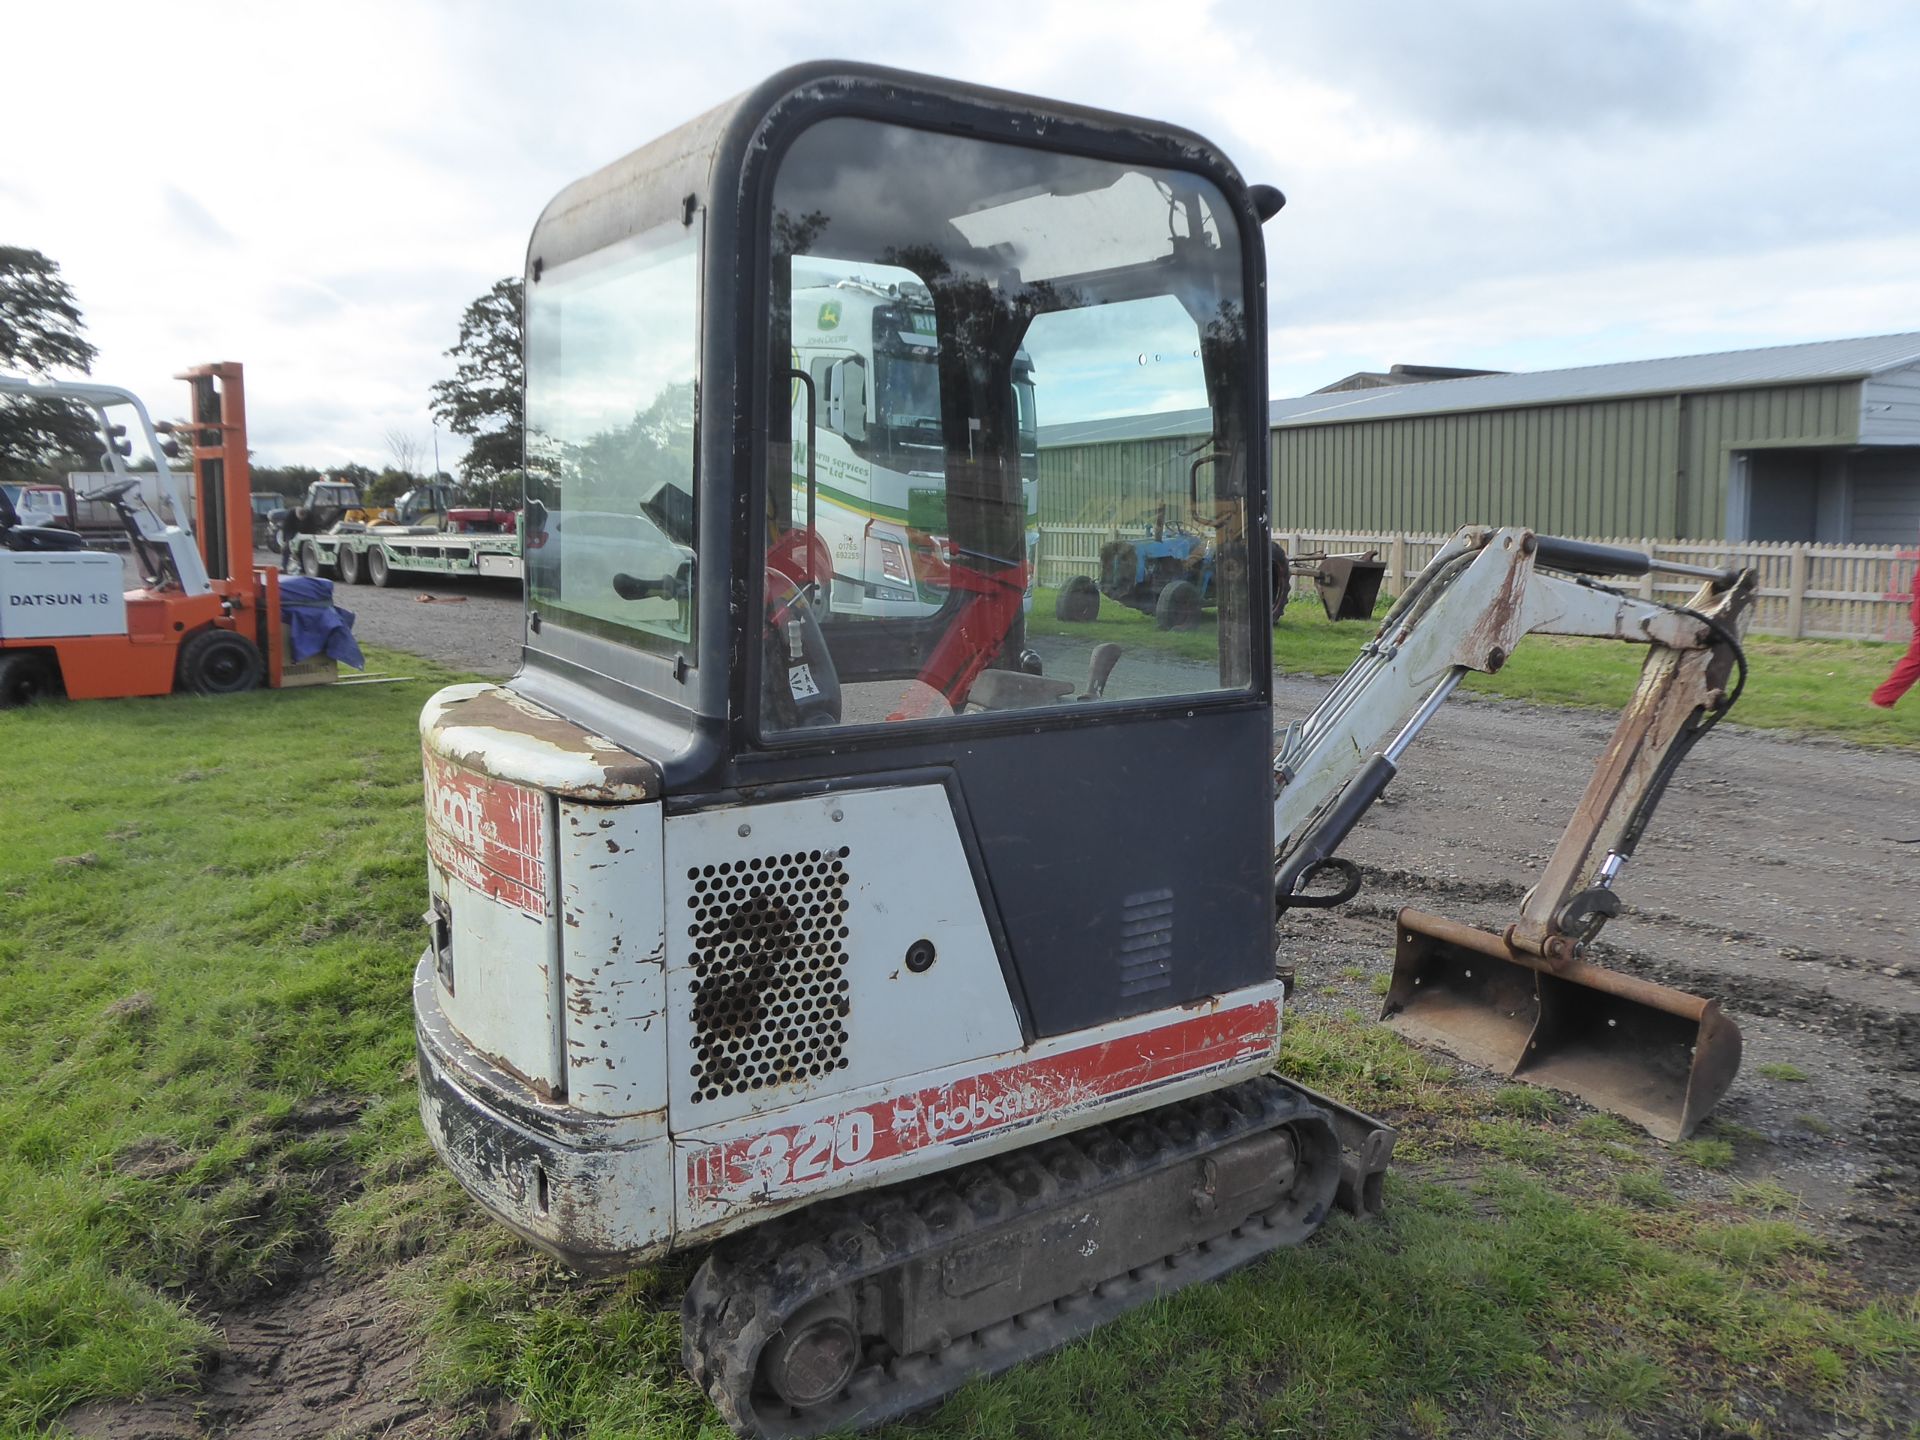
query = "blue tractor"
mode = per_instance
[{"x": 1168, "y": 574}]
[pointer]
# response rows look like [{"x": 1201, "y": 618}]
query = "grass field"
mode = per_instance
[
  {"x": 209, "y": 912},
  {"x": 1811, "y": 686}
]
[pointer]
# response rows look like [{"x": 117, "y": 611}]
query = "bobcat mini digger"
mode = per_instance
[{"x": 838, "y": 941}]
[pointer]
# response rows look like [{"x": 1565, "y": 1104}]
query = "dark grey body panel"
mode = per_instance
[{"x": 1118, "y": 891}]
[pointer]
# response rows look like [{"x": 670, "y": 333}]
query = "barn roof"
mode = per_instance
[{"x": 1812, "y": 362}]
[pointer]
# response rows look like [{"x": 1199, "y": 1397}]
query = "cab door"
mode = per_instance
[{"x": 1108, "y": 779}]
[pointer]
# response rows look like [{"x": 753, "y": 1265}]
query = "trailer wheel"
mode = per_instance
[
  {"x": 347, "y": 561},
  {"x": 26, "y": 676},
  {"x": 310, "y": 560},
  {"x": 378, "y": 571},
  {"x": 1178, "y": 607},
  {"x": 1282, "y": 581},
  {"x": 1078, "y": 601},
  {"x": 220, "y": 662}
]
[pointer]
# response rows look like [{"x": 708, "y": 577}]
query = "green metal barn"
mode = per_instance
[{"x": 1817, "y": 442}]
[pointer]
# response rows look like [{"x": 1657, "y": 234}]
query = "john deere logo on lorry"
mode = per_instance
[{"x": 830, "y": 315}]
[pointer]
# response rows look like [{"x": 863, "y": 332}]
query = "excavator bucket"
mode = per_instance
[
  {"x": 1349, "y": 585},
  {"x": 1660, "y": 1057}
]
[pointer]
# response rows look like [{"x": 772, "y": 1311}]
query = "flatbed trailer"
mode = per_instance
[{"x": 378, "y": 553}]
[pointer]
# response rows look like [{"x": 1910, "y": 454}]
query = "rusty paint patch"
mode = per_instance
[
  {"x": 1493, "y": 633},
  {"x": 488, "y": 834},
  {"x": 547, "y": 1092},
  {"x": 495, "y": 732}
]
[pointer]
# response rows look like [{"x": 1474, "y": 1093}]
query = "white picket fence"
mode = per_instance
[{"x": 1812, "y": 592}]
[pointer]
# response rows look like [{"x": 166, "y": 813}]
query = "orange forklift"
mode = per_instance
[{"x": 204, "y": 620}]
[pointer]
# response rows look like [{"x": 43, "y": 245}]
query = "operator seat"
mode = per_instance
[
  {"x": 16, "y": 536},
  {"x": 41, "y": 537}
]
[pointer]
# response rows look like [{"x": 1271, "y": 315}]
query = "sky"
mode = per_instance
[{"x": 318, "y": 191}]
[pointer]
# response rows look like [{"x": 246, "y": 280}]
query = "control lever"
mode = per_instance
[
  {"x": 633, "y": 587},
  {"x": 1100, "y": 669}
]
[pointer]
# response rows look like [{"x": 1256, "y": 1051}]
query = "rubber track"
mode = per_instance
[{"x": 748, "y": 1286}]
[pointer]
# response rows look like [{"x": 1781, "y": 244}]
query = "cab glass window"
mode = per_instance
[
  {"x": 937, "y": 304},
  {"x": 611, "y": 400}
]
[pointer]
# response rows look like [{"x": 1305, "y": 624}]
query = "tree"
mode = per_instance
[
  {"x": 40, "y": 328},
  {"x": 388, "y": 486},
  {"x": 649, "y": 459},
  {"x": 288, "y": 481},
  {"x": 405, "y": 450},
  {"x": 484, "y": 399}
]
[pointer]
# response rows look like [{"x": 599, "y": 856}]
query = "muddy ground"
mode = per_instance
[{"x": 1774, "y": 878}]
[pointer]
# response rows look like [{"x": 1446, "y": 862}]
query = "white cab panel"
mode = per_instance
[
  {"x": 789, "y": 931},
  {"x": 490, "y": 848},
  {"x": 613, "y": 955}
]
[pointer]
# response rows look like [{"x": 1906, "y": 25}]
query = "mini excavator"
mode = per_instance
[{"x": 837, "y": 937}]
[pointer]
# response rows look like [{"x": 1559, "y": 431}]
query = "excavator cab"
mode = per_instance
[{"x": 800, "y": 541}]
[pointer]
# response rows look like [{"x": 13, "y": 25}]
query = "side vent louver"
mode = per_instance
[{"x": 1146, "y": 942}]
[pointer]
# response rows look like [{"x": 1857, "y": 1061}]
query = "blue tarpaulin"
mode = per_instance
[{"x": 317, "y": 625}]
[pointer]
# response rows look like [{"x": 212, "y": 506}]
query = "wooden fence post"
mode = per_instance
[
  {"x": 1797, "y": 593},
  {"x": 1397, "y": 563}
]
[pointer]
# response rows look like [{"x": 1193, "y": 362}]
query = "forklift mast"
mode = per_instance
[{"x": 223, "y": 475}]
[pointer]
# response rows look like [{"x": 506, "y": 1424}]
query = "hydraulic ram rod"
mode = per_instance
[
  {"x": 1316, "y": 847},
  {"x": 1582, "y": 557}
]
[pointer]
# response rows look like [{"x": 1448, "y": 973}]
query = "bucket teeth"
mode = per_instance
[{"x": 1660, "y": 1057}]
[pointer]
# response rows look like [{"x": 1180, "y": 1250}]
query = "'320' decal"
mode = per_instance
[{"x": 807, "y": 1152}]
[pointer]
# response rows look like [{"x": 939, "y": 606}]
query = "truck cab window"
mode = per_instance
[
  {"x": 611, "y": 407},
  {"x": 940, "y": 302}
]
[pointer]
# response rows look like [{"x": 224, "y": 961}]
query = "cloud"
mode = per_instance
[
  {"x": 1501, "y": 183},
  {"x": 191, "y": 220},
  {"x": 1518, "y": 64}
]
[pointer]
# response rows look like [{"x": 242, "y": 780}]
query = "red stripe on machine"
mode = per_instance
[
  {"x": 489, "y": 834},
  {"x": 1020, "y": 1094}
]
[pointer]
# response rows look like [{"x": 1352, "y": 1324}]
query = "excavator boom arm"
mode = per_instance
[
  {"x": 1527, "y": 1001},
  {"x": 1468, "y": 610}
]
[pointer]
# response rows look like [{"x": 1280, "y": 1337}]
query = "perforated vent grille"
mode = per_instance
[{"x": 769, "y": 990}]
